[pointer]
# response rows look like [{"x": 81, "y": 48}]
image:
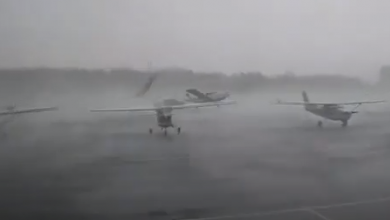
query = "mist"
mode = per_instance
[
  {"x": 308, "y": 37},
  {"x": 250, "y": 160},
  {"x": 228, "y": 161}
]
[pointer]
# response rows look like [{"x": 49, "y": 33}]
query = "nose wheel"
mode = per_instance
[
  {"x": 178, "y": 130},
  {"x": 150, "y": 131},
  {"x": 344, "y": 124},
  {"x": 319, "y": 124}
]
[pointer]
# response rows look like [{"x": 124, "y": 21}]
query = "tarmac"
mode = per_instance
[{"x": 228, "y": 163}]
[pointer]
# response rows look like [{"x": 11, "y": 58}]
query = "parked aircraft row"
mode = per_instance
[
  {"x": 196, "y": 99},
  {"x": 162, "y": 110},
  {"x": 329, "y": 111}
]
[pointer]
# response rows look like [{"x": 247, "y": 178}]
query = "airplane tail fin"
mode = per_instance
[
  {"x": 147, "y": 86},
  {"x": 305, "y": 97}
]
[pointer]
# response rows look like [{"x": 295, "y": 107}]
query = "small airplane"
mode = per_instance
[
  {"x": 12, "y": 113},
  {"x": 330, "y": 111},
  {"x": 195, "y": 96},
  {"x": 163, "y": 111}
]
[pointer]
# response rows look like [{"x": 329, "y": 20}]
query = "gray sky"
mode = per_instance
[{"x": 306, "y": 36}]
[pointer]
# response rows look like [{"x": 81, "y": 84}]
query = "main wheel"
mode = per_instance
[
  {"x": 344, "y": 124},
  {"x": 150, "y": 131},
  {"x": 165, "y": 132},
  {"x": 319, "y": 124},
  {"x": 178, "y": 130}
]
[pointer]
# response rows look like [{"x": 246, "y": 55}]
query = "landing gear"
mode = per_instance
[
  {"x": 165, "y": 130},
  {"x": 344, "y": 124},
  {"x": 319, "y": 124}
]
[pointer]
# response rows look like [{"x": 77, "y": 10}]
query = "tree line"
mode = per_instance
[{"x": 77, "y": 78}]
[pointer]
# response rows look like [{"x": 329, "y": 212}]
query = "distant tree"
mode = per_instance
[{"x": 127, "y": 79}]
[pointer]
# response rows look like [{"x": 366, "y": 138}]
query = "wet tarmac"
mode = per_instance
[{"x": 228, "y": 163}]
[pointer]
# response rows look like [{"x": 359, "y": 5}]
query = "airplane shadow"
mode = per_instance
[
  {"x": 156, "y": 135},
  {"x": 325, "y": 128}
]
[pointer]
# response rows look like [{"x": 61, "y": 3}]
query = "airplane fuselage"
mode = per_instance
[
  {"x": 164, "y": 118},
  {"x": 165, "y": 121},
  {"x": 214, "y": 97},
  {"x": 334, "y": 113}
]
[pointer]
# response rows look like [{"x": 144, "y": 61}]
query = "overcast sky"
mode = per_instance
[{"x": 306, "y": 36}]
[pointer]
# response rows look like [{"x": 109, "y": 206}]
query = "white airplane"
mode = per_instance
[
  {"x": 330, "y": 111},
  {"x": 196, "y": 96},
  {"x": 163, "y": 111},
  {"x": 11, "y": 113}
]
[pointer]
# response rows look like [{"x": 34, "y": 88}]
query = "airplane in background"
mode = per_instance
[
  {"x": 193, "y": 95},
  {"x": 11, "y": 113},
  {"x": 163, "y": 111},
  {"x": 330, "y": 111},
  {"x": 196, "y": 96}
]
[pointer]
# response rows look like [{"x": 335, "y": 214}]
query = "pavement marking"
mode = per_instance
[
  {"x": 319, "y": 215},
  {"x": 163, "y": 159},
  {"x": 249, "y": 215},
  {"x": 306, "y": 209},
  {"x": 361, "y": 202}
]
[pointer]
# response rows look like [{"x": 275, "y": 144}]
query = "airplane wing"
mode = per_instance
[
  {"x": 125, "y": 110},
  {"x": 328, "y": 104},
  {"x": 202, "y": 105},
  {"x": 183, "y": 106},
  {"x": 200, "y": 95},
  {"x": 290, "y": 103},
  {"x": 33, "y": 110},
  {"x": 358, "y": 103}
]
